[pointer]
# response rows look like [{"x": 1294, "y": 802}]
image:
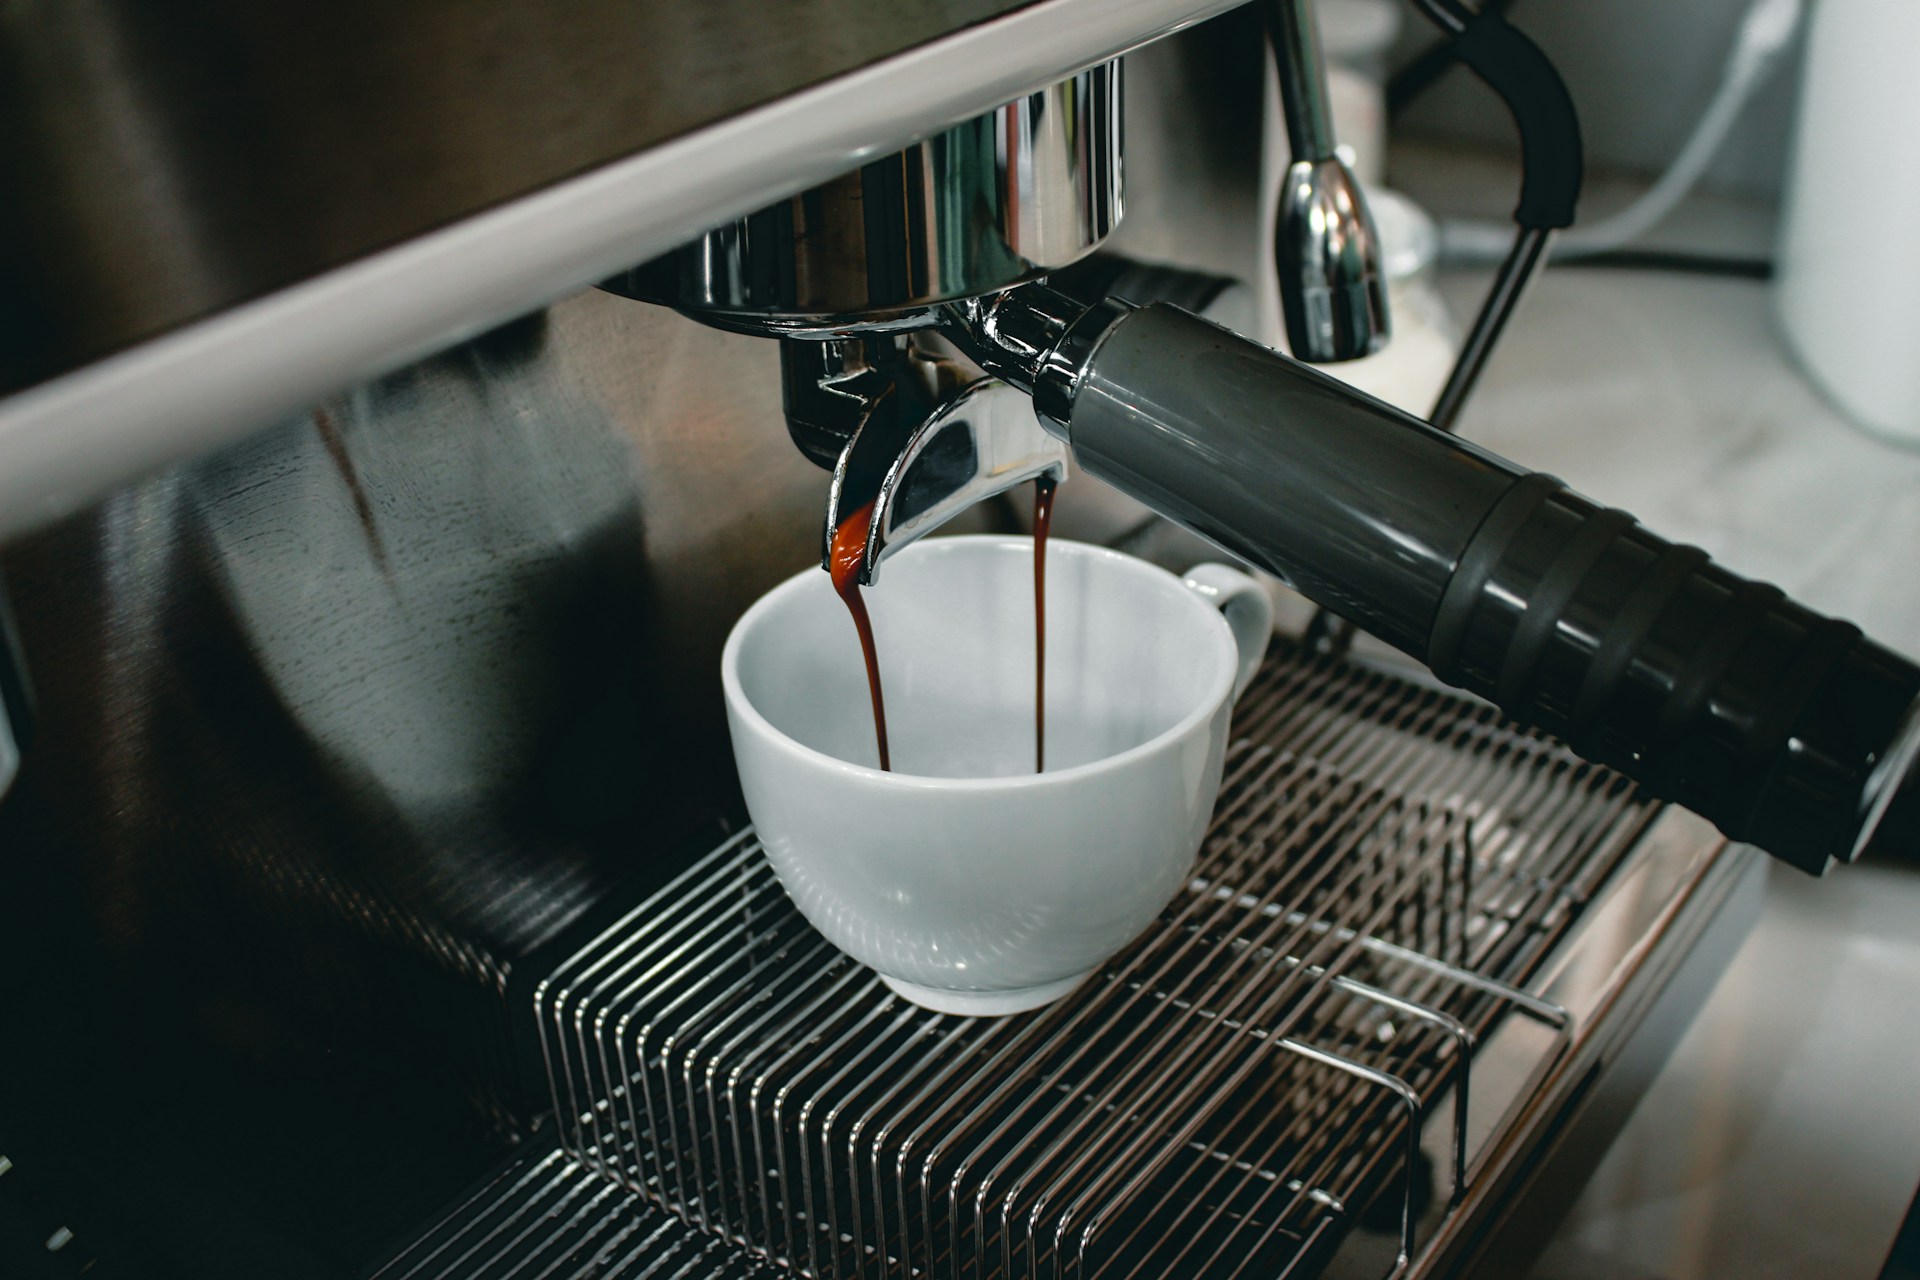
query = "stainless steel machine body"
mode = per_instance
[
  {"x": 998, "y": 200},
  {"x": 369, "y": 573}
]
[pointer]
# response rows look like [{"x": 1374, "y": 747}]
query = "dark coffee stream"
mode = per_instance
[
  {"x": 843, "y": 565},
  {"x": 1042, "y": 520}
]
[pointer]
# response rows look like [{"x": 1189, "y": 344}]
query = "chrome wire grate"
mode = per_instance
[
  {"x": 547, "y": 1217},
  {"x": 1387, "y": 865}
]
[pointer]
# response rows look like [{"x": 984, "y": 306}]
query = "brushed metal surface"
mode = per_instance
[
  {"x": 992, "y": 202},
  {"x": 341, "y": 724},
  {"x": 67, "y": 441},
  {"x": 190, "y": 157},
  {"x": 499, "y": 573}
]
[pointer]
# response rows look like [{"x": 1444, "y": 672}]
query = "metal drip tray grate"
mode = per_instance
[
  {"x": 1387, "y": 864},
  {"x": 546, "y": 1217}
]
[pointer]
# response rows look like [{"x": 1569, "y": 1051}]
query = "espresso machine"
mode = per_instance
[{"x": 400, "y": 406}]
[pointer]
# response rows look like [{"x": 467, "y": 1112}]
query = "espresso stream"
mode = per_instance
[
  {"x": 843, "y": 566},
  {"x": 1042, "y": 520}
]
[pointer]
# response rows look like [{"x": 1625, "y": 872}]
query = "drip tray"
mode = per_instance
[{"x": 1412, "y": 934}]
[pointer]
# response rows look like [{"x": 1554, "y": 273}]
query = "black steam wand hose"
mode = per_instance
[
  {"x": 1503, "y": 299},
  {"x": 1551, "y": 164},
  {"x": 1551, "y": 167},
  {"x": 1426, "y": 68}
]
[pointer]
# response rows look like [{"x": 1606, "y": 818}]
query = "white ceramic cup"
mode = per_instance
[{"x": 970, "y": 883}]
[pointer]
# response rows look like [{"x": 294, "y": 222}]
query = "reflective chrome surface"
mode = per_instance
[
  {"x": 1036, "y": 338},
  {"x": 164, "y": 167},
  {"x": 832, "y": 387},
  {"x": 989, "y": 203},
  {"x": 1630, "y": 977},
  {"x": 340, "y": 727},
  {"x": 401, "y": 183},
  {"x": 1295, "y": 34},
  {"x": 1333, "y": 288},
  {"x": 335, "y": 729},
  {"x": 983, "y": 441},
  {"x": 559, "y": 1220}
]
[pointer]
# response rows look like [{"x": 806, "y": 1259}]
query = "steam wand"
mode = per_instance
[
  {"x": 1786, "y": 728},
  {"x": 1333, "y": 292}
]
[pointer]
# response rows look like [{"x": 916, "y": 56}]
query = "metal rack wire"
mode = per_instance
[
  {"x": 1387, "y": 865},
  {"x": 547, "y": 1217}
]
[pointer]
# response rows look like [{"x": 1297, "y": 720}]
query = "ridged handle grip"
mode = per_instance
[
  {"x": 1784, "y": 727},
  {"x": 1713, "y": 691}
]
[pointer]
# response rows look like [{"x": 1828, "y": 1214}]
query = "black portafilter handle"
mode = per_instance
[{"x": 1789, "y": 730}]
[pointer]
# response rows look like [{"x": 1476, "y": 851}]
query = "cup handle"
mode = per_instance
[{"x": 1248, "y": 611}]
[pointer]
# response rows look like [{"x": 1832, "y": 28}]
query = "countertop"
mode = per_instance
[{"x": 1782, "y": 1138}]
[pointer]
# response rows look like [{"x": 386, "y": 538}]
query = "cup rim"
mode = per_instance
[{"x": 1220, "y": 692}]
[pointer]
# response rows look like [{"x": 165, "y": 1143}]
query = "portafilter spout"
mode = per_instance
[
  {"x": 983, "y": 441},
  {"x": 908, "y": 436},
  {"x": 843, "y": 275}
]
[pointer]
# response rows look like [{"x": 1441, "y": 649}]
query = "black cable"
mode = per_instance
[
  {"x": 1509, "y": 284},
  {"x": 1411, "y": 81},
  {"x": 1426, "y": 68},
  {"x": 1701, "y": 264},
  {"x": 1551, "y": 168},
  {"x": 1550, "y": 171},
  {"x": 1449, "y": 17}
]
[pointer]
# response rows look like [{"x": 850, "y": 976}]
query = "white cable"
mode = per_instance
[{"x": 1764, "y": 33}]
